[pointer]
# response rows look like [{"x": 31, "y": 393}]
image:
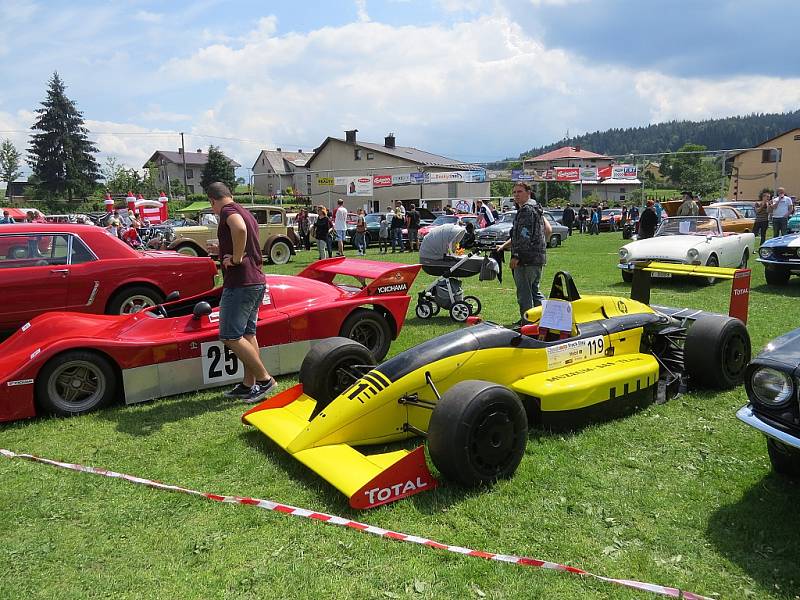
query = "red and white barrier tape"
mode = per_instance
[{"x": 661, "y": 590}]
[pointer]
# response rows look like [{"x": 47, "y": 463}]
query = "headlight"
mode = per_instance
[
  {"x": 624, "y": 254},
  {"x": 764, "y": 252},
  {"x": 692, "y": 254},
  {"x": 771, "y": 387},
  {"x": 797, "y": 252}
]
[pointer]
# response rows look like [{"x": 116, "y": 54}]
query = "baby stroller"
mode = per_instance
[{"x": 436, "y": 254}]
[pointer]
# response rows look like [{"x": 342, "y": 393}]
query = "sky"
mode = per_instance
[{"x": 472, "y": 80}]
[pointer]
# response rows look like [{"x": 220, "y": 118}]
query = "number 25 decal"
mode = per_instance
[{"x": 219, "y": 363}]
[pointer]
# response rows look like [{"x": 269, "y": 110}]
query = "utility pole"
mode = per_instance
[{"x": 183, "y": 156}]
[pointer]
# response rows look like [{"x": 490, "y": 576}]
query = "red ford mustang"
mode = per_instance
[
  {"x": 83, "y": 268},
  {"x": 68, "y": 363}
]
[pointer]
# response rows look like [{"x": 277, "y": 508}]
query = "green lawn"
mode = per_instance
[{"x": 679, "y": 494}]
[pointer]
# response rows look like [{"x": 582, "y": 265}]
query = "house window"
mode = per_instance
[
  {"x": 189, "y": 173},
  {"x": 370, "y": 155},
  {"x": 771, "y": 156},
  {"x": 622, "y": 190},
  {"x": 191, "y": 189},
  {"x": 452, "y": 189},
  {"x": 622, "y": 197},
  {"x": 797, "y": 138},
  {"x": 263, "y": 162},
  {"x": 357, "y": 154}
]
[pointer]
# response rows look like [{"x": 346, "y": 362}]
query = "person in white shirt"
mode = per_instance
[
  {"x": 782, "y": 208},
  {"x": 340, "y": 224}
]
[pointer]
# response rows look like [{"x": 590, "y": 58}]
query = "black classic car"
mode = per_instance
[{"x": 772, "y": 380}]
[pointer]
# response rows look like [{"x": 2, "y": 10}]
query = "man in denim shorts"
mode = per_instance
[{"x": 242, "y": 291}]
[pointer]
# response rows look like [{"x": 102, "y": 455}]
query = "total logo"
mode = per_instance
[{"x": 395, "y": 491}]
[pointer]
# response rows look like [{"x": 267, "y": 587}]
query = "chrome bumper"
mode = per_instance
[{"x": 747, "y": 416}]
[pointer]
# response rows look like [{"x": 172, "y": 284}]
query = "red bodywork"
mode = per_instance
[
  {"x": 300, "y": 308},
  {"x": 37, "y": 276}
]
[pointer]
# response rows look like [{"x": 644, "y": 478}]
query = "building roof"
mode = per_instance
[
  {"x": 408, "y": 153},
  {"x": 195, "y": 159},
  {"x": 567, "y": 152},
  {"x": 277, "y": 159},
  {"x": 765, "y": 142}
]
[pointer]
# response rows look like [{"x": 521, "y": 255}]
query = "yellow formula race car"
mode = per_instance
[{"x": 473, "y": 393}]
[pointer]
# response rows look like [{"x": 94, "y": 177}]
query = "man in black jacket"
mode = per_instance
[
  {"x": 568, "y": 218},
  {"x": 528, "y": 241},
  {"x": 648, "y": 222}
]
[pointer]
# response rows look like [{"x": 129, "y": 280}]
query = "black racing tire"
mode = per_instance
[
  {"x": 477, "y": 433},
  {"x": 370, "y": 329},
  {"x": 745, "y": 258},
  {"x": 555, "y": 240},
  {"x": 460, "y": 311},
  {"x": 424, "y": 310},
  {"x": 189, "y": 250},
  {"x": 132, "y": 299},
  {"x": 712, "y": 261},
  {"x": 475, "y": 305},
  {"x": 279, "y": 252},
  {"x": 716, "y": 351},
  {"x": 627, "y": 276},
  {"x": 74, "y": 383},
  {"x": 327, "y": 369},
  {"x": 785, "y": 459},
  {"x": 777, "y": 276}
]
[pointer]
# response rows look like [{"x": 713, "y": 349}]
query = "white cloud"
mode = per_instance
[
  {"x": 361, "y": 11},
  {"x": 148, "y": 17}
]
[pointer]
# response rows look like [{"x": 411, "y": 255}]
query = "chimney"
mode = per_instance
[
  {"x": 277, "y": 149},
  {"x": 180, "y": 150},
  {"x": 350, "y": 136},
  {"x": 577, "y": 148},
  {"x": 388, "y": 141},
  {"x": 300, "y": 150},
  {"x": 199, "y": 150}
]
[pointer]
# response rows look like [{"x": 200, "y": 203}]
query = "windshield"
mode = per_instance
[
  {"x": 444, "y": 219},
  {"x": 688, "y": 226},
  {"x": 507, "y": 217},
  {"x": 373, "y": 218}
]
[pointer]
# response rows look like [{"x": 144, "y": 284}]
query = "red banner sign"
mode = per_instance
[
  {"x": 381, "y": 181},
  {"x": 568, "y": 173}
]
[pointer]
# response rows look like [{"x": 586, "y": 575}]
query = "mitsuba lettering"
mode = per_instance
[{"x": 394, "y": 491}]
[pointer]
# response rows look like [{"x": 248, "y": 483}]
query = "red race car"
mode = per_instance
[
  {"x": 67, "y": 363},
  {"x": 83, "y": 268}
]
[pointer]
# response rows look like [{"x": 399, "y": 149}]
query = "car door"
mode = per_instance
[
  {"x": 87, "y": 277},
  {"x": 34, "y": 275}
]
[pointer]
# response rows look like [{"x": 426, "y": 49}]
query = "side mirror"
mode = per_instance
[
  {"x": 172, "y": 296},
  {"x": 201, "y": 309}
]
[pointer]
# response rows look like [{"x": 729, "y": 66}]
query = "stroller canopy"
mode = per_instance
[{"x": 440, "y": 242}]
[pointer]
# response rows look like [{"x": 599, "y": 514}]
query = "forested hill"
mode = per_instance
[{"x": 715, "y": 134}]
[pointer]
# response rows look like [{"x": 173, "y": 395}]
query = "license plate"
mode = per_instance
[{"x": 660, "y": 274}]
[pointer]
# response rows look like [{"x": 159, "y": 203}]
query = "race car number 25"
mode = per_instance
[{"x": 220, "y": 364}]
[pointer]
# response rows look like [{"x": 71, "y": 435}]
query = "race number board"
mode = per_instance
[{"x": 220, "y": 365}]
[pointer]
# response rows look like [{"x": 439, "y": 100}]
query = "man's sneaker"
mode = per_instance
[
  {"x": 259, "y": 391},
  {"x": 239, "y": 391}
]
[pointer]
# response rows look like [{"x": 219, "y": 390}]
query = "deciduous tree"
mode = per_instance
[
  {"x": 218, "y": 168},
  {"x": 9, "y": 162}
]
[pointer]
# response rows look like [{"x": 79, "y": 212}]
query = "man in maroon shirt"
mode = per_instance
[{"x": 242, "y": 290}]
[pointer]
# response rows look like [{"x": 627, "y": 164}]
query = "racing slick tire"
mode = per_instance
[
  {"x": 460, "y": 311},
  {"x": 477, "y": 433},
  {"x": 279, "y": 252},
  {"x": 327, "y": 369},
  {"x": 370, "y": 329},
  {"x": 189, "y": 250},
  {"x": 74, "y": 383},
  {"x": 627, "y": 276},
  {"x": 424, "y": 310},
  {"x": 133, "y": 299},
  {"x": 785, "y": 459},
  {"x": 716, "y": 351},
  {"x": 777, "y": 276},
  {"x": 475, "y": 305}
]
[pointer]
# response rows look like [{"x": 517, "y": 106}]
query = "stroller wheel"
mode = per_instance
[
  {"x": 474, "y": 304},
  {"x": 460, "y": 311},
  {"x": 424, "y": 310}
]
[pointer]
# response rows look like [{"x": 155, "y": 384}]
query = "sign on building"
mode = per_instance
[{"x": 327, "y": 181}]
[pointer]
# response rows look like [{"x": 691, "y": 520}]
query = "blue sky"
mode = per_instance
[{"x": 473, "y": 79}]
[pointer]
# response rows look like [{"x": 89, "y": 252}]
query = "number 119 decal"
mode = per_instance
[{"x": 220, "y": 364}]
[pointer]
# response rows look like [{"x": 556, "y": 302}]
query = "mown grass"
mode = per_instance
[{"x": 679, "y": 494}]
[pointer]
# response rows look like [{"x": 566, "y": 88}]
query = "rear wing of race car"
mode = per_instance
[
  {"x": 740, "y": 290},
  {"x": 386, "y": 278}
]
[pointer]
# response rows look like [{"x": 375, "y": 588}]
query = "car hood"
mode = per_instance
[
  {"x": 784, "y": 349},
  {"x": 791, "y": 241},
  {"x": 496, "y": 228},
  {"x": 668, "y": 246}
]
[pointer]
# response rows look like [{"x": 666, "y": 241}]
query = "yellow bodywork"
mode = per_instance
[{"x": 563, "y": 378}]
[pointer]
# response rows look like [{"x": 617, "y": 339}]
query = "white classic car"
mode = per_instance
[{"x": 689, "y": 241}]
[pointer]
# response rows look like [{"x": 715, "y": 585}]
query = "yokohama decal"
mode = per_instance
[{"x": 669, "y": 592}]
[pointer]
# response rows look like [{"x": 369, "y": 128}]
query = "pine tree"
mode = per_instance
[
  {"x": 9, "y": 162},
  {"x": 218, "y": 168},
  {"x": 61, "y": 156}
]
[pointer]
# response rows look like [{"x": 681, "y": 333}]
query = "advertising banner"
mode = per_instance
[
  {"x": 624, "y": 172},
  {"x": 401, "y": 179},
  {"x": 417, "y": 177},
  {"x": 568, "y": 173},
  {"x": 359, "y": 186},
  {"x": 381, "y": 181},
  {"x": 327, "y": 181},
  {"x": 589, "y": 174},
  {"x": 444, "y": 177},
  {"x": 474, "y": 176}
]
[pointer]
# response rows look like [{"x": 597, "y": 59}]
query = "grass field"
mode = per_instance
[{"x": 679, "y": 494}]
